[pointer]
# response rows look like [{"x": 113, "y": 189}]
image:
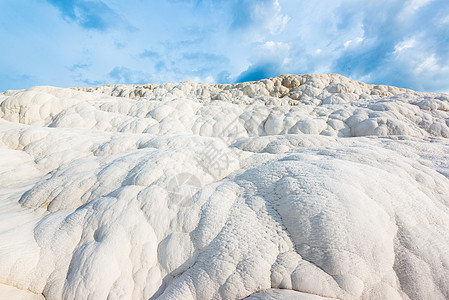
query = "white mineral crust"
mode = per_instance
[{"x": 295, "y": 187}]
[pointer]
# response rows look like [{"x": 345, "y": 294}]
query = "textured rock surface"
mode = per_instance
[{"x": 300, "y": 187}]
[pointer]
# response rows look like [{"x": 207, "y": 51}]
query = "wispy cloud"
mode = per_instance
[
  {"x": 90, "y": 14},
  {"x": 125, "y": 75},
  {"x": 395, "y": 42},
  {"x": 404, "y": 44},
  {"x": 271, "y": 59},
  {"x": 78, "y": 66},
  {"x": 150, "y": 54},
  {"x": 258, "y": 18},
  {"x": 156, "y": 59},
  {"x": 253, "y": 20},
  {"x": 11, "y": 81},
  {"x": 203, "y": 57}
]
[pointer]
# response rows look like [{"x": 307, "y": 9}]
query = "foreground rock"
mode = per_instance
[{"x": 301, "y": 187}]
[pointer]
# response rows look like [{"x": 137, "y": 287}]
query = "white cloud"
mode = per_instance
[
  {"x": 257, "y": 20},
  {"x": 383, "y": 40},
  {"x": 411, "y": 7},
  {"x": 279, "y": 48},
  {"x": 353, "y": 42},
  {"x": 278, "y": 21},
  {"x": 406, "y": 44},
  {"x": 445, "y": 20},
  {"x": 430, "y": 65},
  {"x": 274, "y": 52}
]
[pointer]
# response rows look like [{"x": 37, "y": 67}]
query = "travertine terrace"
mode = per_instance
[{"x": 302, "y": 186}]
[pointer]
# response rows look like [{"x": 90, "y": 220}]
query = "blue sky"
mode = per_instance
[{"x": 95, "y": 42}]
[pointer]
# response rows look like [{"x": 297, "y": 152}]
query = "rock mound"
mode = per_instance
[{"x": 296, "y": 187}]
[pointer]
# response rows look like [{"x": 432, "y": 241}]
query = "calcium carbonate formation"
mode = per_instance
[{"x": 293, "y": 187}]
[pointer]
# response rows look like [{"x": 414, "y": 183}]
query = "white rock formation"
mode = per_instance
[{"x": 294, "y": 187}]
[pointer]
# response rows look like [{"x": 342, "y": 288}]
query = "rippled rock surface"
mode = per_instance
[{"x": 293, "y": 187}]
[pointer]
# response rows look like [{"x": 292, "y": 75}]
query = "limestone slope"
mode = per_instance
[{"x": 299, "y": 186}]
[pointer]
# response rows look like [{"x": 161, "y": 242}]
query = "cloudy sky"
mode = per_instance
[{"x": 93, "y": 42}]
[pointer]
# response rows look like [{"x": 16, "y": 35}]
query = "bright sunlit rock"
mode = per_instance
[{"x": 294, "y": 187}]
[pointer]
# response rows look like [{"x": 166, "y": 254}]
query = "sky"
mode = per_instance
[{"x": 65, "y": 43}]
